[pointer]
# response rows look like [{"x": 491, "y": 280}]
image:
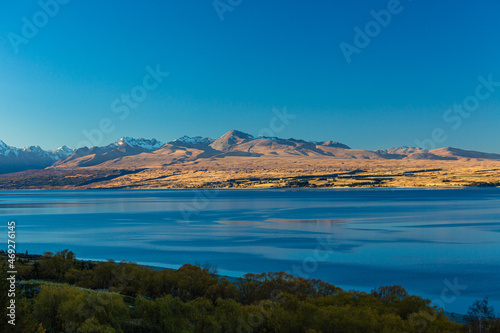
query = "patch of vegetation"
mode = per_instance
[
  {"x": 484, "y": 184},
  {"x": 297, "y": 183},
  {"x": 43, "y": 179},
  {"x": 58, "y": 293}
]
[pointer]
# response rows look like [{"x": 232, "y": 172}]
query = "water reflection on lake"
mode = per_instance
[{"x": 354, "y": 238}]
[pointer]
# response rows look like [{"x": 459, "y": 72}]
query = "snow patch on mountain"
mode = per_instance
[
  {"x": 62, "y": 152},
  {"x": 401, "y": 150},
  {"x": 35, "y": 151},
  {"x": 272, "y": 138},
  {"x": 194, "y": 140},
  {"x": 6, "y": 150},
  {"x": 146, "y": 144},
  {"x": 330, "y": 143}
]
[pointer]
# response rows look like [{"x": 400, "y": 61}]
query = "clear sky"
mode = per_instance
[{"x": 70, "y": 72}]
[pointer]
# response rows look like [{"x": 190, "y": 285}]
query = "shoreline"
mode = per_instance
[
  {"x": 453, "y": 316},
  {"x": 255, "y": 188}
]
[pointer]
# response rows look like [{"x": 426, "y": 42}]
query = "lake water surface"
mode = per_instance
[{"x": 443, "y": 244}]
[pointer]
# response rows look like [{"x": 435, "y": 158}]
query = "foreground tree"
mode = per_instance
[
  {"x": 63, "y": 308},
  {"x": 125, "y": 297},
  {"x": 480, "y": 315}
]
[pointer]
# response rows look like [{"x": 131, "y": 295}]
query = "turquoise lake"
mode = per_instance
[{"x": 442, "y": 244}]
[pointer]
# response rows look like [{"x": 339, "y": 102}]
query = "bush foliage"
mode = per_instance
[{"x": 61, "y": 294}]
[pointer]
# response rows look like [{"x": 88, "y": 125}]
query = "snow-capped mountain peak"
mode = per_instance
[
  {"x": 63, "y": 152},
  {"x": 147, "y": 144},
  {"x": 34, "y": 149},
  {"x": 5, "y": 149},
  {"x": 194, "y": 140}
]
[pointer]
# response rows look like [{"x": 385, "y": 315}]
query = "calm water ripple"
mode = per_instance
[{"x": 353, "y": 238}]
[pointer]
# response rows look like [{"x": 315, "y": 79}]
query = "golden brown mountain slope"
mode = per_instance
[{"x": 240, "y": 160}]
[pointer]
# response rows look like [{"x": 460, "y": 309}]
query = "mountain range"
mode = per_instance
[
  {"x": 138, "y": 153},
  {"x": 14, "y": 159}
]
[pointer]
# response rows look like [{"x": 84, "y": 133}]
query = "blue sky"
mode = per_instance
[{"x": 231, "y": 73}]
